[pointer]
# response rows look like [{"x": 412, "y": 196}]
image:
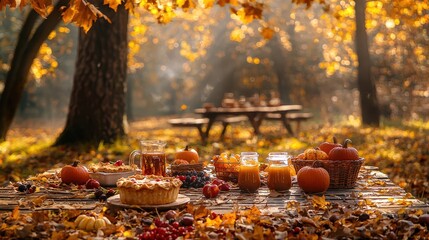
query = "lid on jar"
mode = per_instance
[{"x": 278, "y": 158}]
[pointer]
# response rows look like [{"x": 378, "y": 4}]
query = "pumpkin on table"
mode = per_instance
[
  {"x": 313, "y": 179},
  {"x": 328, "y": 146},
  {"x": 188, "y": 154},
  {"x": 74, "y": 173},
  {"x": 344, "y": 152}
]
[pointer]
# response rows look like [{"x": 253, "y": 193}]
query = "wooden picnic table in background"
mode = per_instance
[
  {"x": 374, "y": 190},
  {"x": 255, "y": 115}
]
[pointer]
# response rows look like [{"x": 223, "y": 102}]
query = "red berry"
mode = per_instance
[
  {"x": 182, "y": 178},
  {"x": 92, "y": 184},
  {"x": 119, "y": 163},
  {"x": 224, "y": 187},
  {"x": 110, "y": 192},
  {"x": 296, "y": 230},
  {"x": 218, "y": 181},
  {"x": 193, "y": 178}
]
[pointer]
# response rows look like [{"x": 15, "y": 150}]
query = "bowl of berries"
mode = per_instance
[{"x": 107, "y": 173}]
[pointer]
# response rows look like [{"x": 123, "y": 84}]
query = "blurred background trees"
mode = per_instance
[{"x": 178, "y": 66}]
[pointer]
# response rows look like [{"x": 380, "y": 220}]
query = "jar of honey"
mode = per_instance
[
  {"x": 248, "y": 176},
  {"x": 279, "y": 177}
]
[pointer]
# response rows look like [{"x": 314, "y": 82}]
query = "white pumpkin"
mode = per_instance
[{"x": 89, "y": 223}]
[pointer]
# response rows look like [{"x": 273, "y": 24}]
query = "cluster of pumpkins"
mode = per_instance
[
  {"x": 313, "y": 179},
  {"x": 331, "y": 151}
]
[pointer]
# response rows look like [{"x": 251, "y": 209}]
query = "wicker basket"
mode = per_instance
[
  {"x": 342, "y": 173},
  {"x": 227, "y": 171},
  {"x": 182, "y": 168}
]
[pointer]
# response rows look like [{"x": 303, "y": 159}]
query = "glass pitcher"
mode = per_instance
[
  {"x": 152, "y": 157},
  {"x": 279, "y": 177},
  {"x": 248, "y": 176}
]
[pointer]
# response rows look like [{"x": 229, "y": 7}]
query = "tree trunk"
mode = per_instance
[
  {"x": 368, "y": 94},
  {"x": 97, "y": 104},
  {"x": 26, "y": 51},
  {"x": 281, "y": 66}
]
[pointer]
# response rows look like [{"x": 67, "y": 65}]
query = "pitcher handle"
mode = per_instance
[{"x": 132, "y": 156}]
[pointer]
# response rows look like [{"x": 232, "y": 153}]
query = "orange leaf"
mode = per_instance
[
  {"x": 41, "y": 6},
  {"x": 228, "y": 219},
  {"x": 113, "y": 4},
  {"x": 214, "y": 223},
  {"x": 15, "y": 213}
]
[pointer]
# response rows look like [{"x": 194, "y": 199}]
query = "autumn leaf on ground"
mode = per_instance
[
  {"x": 367, "y": 202},
  {"x": 228, "y": 219},
  {"x": 15, "y": 213},
  {"x": 320, "y": 202},
  {"x": 253, "y": 214},
  {"x": 214, "y": 222}
]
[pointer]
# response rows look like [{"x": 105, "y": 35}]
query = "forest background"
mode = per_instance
[{"x": 176, "y": 67}]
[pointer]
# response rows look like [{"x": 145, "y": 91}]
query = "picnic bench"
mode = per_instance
[
  {"x": 254, "y": 115},
  {"x": 374, "y": 190}
]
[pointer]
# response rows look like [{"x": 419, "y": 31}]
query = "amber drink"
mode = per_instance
[
  {"x": 152, "y": 157},
  {"x": 248, "y": 176},
  {"x": 279, "y": 177},
  {"x": 153, "y": 164}
]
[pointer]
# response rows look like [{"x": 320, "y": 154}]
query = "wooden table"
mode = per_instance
[
  {"x": 373, "y": 190},
  {"x": 255, "y": 115}
]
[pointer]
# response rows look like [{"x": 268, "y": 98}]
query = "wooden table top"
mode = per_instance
[
  {"x": 244, "y": 110},
  {"x": 373, "y": 190}
]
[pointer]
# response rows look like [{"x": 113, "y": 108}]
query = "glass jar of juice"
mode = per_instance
[
  {"x": 289, "y": 160},
  {"x": 279, "y": 178},
  {"x": 248, "y": 175}
]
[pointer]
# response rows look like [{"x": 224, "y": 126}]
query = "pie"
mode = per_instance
[
  {"x": 107, "y": 167},
  {"x": 148, "y": 189}
]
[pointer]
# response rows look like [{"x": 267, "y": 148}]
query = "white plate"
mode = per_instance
[{"x": 180, "y": 202}]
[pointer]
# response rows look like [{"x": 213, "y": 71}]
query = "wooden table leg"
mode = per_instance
[
  {"x": 202, "y": 135},
  {"x": 254, "y": 122},
  {"x": 286, "y": 124},
  {"x": 209, "y": 126}
]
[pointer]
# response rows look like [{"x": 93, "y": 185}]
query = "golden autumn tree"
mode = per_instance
[{"x": 97, "y": 104}]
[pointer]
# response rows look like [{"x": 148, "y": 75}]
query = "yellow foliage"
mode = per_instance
[{"x": 237, "y": 35}]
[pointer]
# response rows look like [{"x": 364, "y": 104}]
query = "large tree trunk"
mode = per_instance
[
  {"x": 368, "y": 94},
  {"x": 97, "y": 104},
  {"x": 29, "y": 42}
]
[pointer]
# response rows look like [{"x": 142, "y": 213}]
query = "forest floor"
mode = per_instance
[{"x": 399, "y": 149}]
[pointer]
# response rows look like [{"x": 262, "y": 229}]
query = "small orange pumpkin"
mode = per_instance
[
  {"x": 344, "y": 152},
  {"x": 328, "y": 146},
  {"x": 313, "y": 179},
  {"x": 180, "y": 162},
  {"x": 74, "y": 174},
  {"x": 315, "y": 154},
  {"x": 188, "y": 154}
]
